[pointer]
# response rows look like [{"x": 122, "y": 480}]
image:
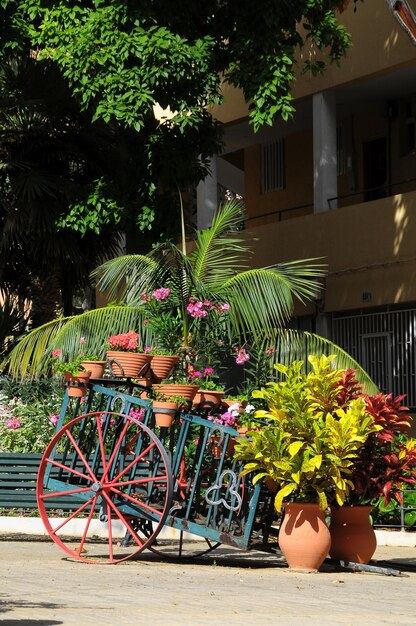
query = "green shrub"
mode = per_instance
[{"x": 30, "y": 411}]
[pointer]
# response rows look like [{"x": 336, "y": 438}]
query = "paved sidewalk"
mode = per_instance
[{"x": 40, "y": 586}]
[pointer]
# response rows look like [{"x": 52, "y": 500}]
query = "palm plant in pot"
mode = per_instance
[
  {"x": 385, "y": 464},
  {"x": 311, "y": 434},
  {"x": 202, "y": 283}
]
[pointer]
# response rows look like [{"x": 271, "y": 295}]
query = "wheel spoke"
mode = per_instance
[
  {"x": 101, "y": 443},
  {"x": 123, "y": 519},
  {"x": 68, "y": 469},
  {"x": 115, "y": 451},
  {"x": 72, "y": 515},
  {"x": 82, "y": 457},
  {"x": 140, "y": 503},
  {"x": 136, "y": 460},
  {"x": 87, "y": 525},
  {"x": 57, "y": 494},
  {"x": 138, "y": 481}
]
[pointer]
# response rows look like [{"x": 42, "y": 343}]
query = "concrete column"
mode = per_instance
[
  {"x": 207, "y": 197},
  {"x": 324, "y": 151}
]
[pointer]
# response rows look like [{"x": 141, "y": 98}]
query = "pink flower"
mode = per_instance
[
  {"x": 242, "y": 356},
  {"x": 161, "y": 294},
  {"x": 195, "y": 375},
  {"x": 270, "y": 350},
  {"x": 208, "y": 371},
  {"x": 56, "y": 353},
  {"x": 13, "y": 423},
  {"x": 225, "y": 306},
  {"x": 147, "y": 349},
  {"x": 103, "y": 419},
  {"x": 54, "y": 419},
  {"x": 137, "y": 414},
  {"x": 82, "y": 340}
]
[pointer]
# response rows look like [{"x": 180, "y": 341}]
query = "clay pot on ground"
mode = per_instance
[
  {"x": 304, "y": 537},
  {"x": 352, "y": 536}
]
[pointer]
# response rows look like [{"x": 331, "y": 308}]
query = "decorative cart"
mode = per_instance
[{"x": 174, "y": 490}]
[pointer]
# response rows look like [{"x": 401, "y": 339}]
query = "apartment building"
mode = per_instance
[{"x": 338, "y": 181}]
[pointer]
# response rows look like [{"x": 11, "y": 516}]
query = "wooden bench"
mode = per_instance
[{"x": 18, "y": 473}]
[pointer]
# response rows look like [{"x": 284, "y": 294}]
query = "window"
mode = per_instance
[{"x": 273, "y": 166}]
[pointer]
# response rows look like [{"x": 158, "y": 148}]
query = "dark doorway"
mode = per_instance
[{"x": 375, "y": 169}]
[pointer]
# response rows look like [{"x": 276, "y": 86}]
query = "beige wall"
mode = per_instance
[
  {"x": 299, "y": 178},
  {"x": 368, "y": 247},
  {"x": 379, "y": 45}
]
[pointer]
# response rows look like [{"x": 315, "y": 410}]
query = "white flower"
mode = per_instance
[
  {"x": 249, "y": 408},
  {"x": 234, "y": 407}
]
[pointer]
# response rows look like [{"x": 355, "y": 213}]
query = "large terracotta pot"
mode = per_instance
[
  {"x": 128, "y": 364},
  {"x": 163, "y": 364},
  {"x": 164, "y": 412},
  {"x": 77, "y": 385},
  {"x": 352, "y": 535},
  {"x": 96, "y": 368},
  {"x": 304, "y": 537},
  {"x": 171, "y": 389}
]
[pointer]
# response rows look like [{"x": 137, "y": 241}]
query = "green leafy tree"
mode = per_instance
[{"x": 120, "y": 59}]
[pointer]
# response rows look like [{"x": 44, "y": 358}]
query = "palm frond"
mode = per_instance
[
  {"x": 219, "y": 254},
  {"x": 26, "y": 356},
  {"x": 288, "y": 345},
  {"x": 263, "y": 298},
  {"x": 31, "y": 354},
  {"x": 125, "y": 277}
]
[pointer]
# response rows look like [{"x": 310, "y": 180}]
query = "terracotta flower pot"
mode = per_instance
[
  {"x": 353, "y": 538},
  {"x": 171, "y": 389},
  {"x": 304, "y": 537},
  {"x": 128, "y": 364},
  {"x": 211, "y": 397},
  {"x": 96, "y": 368},
  {"x": 163, "y": 364},
  {"x": 77, "y": 385},
  {"x": 164, "y": 412}
]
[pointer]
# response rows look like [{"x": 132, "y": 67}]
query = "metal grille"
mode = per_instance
[
  {"x": 273, "y": 166},
  {"x": 385, "y": 345}
]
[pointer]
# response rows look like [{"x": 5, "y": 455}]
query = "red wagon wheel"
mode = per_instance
[{"x": 115, "y": 475}]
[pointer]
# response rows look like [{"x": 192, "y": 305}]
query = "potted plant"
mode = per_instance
[
  {"x": 312, "y": 431},
  {"x": 162, "y": 364},
  {"x": 166, "y": 407},
  {"x": 124, "y": 356},
  {"x": 75, "y": 375},
  {"x": 91, "y": 361},
  {"x": 180, "y": 383},
  {"x": 385, "y": 464},
  {"x": 211, "y": 391}
]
